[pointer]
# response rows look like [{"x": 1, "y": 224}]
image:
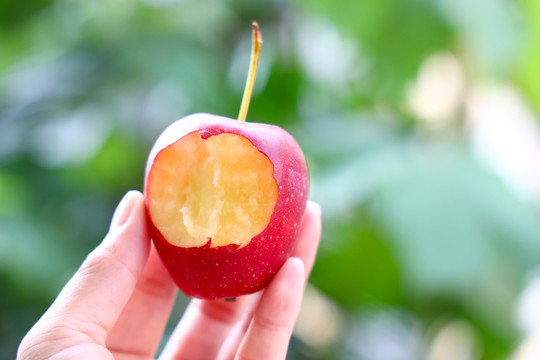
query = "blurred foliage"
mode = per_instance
[{"x": 414, "y": 222}]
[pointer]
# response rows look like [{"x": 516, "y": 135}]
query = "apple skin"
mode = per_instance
[{"x": 228, "y": 271}]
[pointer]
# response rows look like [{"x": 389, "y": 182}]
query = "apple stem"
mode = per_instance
[{"x": 254, "y": 63}]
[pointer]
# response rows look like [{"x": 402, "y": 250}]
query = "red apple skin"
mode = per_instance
[{"x": 229, "y": 271}]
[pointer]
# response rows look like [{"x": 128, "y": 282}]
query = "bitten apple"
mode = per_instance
[
  {"x": 224, "y": 199},
  {"x": 224, "y": 202}
]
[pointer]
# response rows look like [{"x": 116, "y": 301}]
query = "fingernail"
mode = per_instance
[
  {"x": 315, "y": 207},
  {"x": 296, "y": 266},
  {"x": 124, "y": 208},
  {"x": 297, "y": 261}
]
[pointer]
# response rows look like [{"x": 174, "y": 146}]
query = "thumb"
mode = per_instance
[{"x": 97, "y": 293}]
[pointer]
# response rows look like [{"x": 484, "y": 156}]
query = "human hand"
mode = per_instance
[{"x": 117, "y": 304}]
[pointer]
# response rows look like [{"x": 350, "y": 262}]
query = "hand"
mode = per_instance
[{"x": 117, "y": 304}]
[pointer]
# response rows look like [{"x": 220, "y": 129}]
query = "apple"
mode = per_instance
[{"x": 224, "y": 200}]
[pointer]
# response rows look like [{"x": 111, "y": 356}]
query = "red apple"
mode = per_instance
[
  {"x": 224, "y": 199},
  {"x": 224, "y": 202}
]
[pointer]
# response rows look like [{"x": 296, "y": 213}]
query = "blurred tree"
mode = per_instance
[{"x": 418, "y": 229}]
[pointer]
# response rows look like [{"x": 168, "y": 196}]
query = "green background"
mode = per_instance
[{"x": 422, "y": 236}]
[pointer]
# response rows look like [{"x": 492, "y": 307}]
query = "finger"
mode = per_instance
[
  {"x": 270, "y": 330},
  {"x": 204, "y": 327},
  {"x": 140, "y": 327},
  {"x": 309, "y": 236},
  {"x": 232, "y": 342},
  {"x": 305, "y": 249},
  {"x": 93, "y": 299}
]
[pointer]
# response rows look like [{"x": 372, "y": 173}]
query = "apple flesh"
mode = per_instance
[{"x": 224, "y": 201}]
